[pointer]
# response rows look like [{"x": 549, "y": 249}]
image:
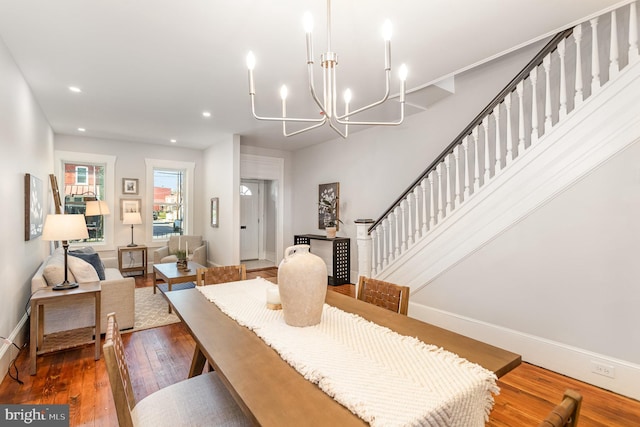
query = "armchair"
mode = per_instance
[{"x": 197, "y": 250}]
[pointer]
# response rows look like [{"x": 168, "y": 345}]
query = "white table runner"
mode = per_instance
[{"x": 381, "y": 376}]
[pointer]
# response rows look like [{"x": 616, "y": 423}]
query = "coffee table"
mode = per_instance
[{"x": 170, "y": 274}]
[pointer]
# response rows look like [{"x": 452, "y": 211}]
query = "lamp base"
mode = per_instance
[
  {"x": 131, "y": 245},
  {"x": 64, "y": 286}
]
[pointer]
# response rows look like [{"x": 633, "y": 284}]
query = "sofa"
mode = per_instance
[
  {"x": 197, "y": 250},
  {"x": 117, "y": 292}
]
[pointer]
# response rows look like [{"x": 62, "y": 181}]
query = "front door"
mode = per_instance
[{"x": 250, "y": 213}]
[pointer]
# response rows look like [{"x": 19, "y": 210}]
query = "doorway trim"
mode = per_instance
[{"x": 267, "y": 168}]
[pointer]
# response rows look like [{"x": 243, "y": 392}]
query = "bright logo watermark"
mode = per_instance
[{"x": 34, "y": 415}]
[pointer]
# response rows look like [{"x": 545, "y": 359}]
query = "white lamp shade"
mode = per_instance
[
  {"x": 97, "y": 207},
  {"x": 65, "y": 227},
  {"x": 131, "y": 218}
]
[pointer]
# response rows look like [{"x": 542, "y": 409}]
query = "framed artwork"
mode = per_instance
[
  {"x": 214, "y": 212},
  {"x": 129, "y": 186},
  {"x": 129, "y": 205},
  {"x": 33, "y": 207},
  {"x": 328, "y": 206}
]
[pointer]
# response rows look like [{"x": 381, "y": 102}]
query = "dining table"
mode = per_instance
[{"x": 270, "y": 391}]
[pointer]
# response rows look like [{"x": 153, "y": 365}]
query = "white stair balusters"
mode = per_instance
[
  {"x": 548, "y": 123},
  {"x": 535, "y": 132},
  {"x": 614, "y": 64},
  {"x": 577, "y": 36},
  {"x": 563, "y": 80},
  {"x": 520, "y": 93},
  {"x": 496, "y": 117},
  {"x": 595, "y": 57}
]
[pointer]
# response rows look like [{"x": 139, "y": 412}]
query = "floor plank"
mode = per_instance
[{"x": 161, "y": 356}]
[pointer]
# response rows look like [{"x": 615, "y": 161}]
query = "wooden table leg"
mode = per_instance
[
  {"x": 197, "y": 363},
  {"x": 33, "y": 342},
  {"x": 154, "y": 281},
  {"x": 98, "y": 322}
]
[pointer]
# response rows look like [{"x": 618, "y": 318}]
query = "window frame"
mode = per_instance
[{"x": 62, "y": 157}]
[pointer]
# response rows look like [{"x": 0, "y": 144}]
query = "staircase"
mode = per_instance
[
  {"x": 545, "y": 118},
  {"x": 492, "y": 239}
]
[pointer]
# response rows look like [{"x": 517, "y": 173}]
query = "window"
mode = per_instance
[
  {"x": 168, "y": 202},
  {"x": 82, "y": 183},
  {"x": 82, "y": 173}
]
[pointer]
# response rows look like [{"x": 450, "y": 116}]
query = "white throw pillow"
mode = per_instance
[
  {"x": 82, "y": 270},
  {"x": 54, "y": 270}
]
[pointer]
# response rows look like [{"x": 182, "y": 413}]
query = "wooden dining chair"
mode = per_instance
[
  {"x": 566, "y": 413},
  {"x": 222, "y": 274},
  {"x": 384, "y": 294},
  {"x": 202, "y": 400}
]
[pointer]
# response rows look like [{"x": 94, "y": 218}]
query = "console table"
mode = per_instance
[
  {"x": 341, "y": 256},
  {"x": 40, "y": 344},
  {"x": 133, "y": 267}
]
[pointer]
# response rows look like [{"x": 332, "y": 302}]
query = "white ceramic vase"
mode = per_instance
[{"x": 302, "y": 279}]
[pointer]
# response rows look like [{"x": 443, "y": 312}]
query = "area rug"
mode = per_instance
[{"x": 152, "y": 310}]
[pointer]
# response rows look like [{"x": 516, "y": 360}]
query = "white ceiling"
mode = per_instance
[{"x": 148, "y": 68}]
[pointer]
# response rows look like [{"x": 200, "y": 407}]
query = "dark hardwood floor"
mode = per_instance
[{"x": 161, "y": 356}]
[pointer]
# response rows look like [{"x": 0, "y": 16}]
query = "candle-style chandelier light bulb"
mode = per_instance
[{"x": 328, "y": 111}]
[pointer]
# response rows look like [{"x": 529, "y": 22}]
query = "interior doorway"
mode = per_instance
[{"x": 258, "y": 223}]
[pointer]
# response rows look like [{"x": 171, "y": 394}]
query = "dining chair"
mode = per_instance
[
  {"x": 566, "y": 413},
  {"x": 199, "y": 401},
  {"x": 384, "y": 294},
  {"x": 222, "y": 274}
]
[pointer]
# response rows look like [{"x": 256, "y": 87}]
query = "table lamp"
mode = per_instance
[
  {"x": 96, "y": 207},
  {"x": 132, "y": 218},
  {"x": 65, "y": 227}
]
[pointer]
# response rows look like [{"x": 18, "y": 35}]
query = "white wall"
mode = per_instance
[
  {"x": 130, "y": 163},
  {"x": 222, "y": 180},
  {"x": 26, "y": 140},
  {"x": 375, "y": 166}
]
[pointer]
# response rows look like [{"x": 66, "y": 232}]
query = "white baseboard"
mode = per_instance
[
  {"x": 7, "y": 351},
  {"x": 561, "y": 358}
]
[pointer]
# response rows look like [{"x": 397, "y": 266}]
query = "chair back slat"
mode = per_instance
[
  {"x": 222, "y": 274},
  {"x": 118, "y": 371},
  {"x": 384, "y": 294}
]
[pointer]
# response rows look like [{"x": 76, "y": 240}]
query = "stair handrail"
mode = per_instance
[{"x": 510, "y": 87}]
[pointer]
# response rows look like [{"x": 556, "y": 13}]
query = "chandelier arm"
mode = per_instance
[
  {"x": 396, "y": 123},
  {"x": 312, "y": 89},
  {"x": 335, "y": 128},
  {"x": 317, "y": 125},
  {"x": 281, "y": 119},
  {"x": 375, "y": 104}
]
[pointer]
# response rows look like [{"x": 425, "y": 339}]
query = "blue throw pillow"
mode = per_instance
[{"x": 93, "y": 259}]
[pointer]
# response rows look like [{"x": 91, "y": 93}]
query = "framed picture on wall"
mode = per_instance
[
  {"x": 328, "y": 206},
  {"x": 214, "y": 212},
  {"x": 129, "y": 186},
  {"x": 33, "y": 207},
  {"x": 129, "y": 205}
]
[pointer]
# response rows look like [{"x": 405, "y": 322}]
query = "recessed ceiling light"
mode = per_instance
[
  {"x": 206, "y": 114},
  {"x": 173, "y": 141},
  {"x": 81, "y": 129},
  {"x": 75, "y": 89}
]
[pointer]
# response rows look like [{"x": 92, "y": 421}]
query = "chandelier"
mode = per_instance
[{"x": 328, "y": 110}]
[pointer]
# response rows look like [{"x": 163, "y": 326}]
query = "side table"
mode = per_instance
[
  {"x": 40, "y": 344},
  {"x": 122, "y": 250}
]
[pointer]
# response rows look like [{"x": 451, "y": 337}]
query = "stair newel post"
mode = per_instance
[
  {"x": 365, "y": 248},
  {"x": 634, "y": 54},
  {"x": 425, "y": 220},
  {"x": 595, "y": 56},
  {"x": 456, "y": 157},
  {"x": 535, "y": 132},
  {"x": 520, "y": 93},
  {"x": 487, "y": 150},
  {"x": 496, "y": 118},
  {"x": 465, "y": 146},
  {"x": 509, "y": 154},
  {"x": 447, "y": 177},
  {"x": 416, "y": 218},
  {"x": 563, "y": 80},
  {"x": 614, "y": 64},
  {"x": 432, "y": 203},
  {"x": 440, "y": 199},
  {"x": 476, "y": 160},
  {"x": 577, "y": 36},
  {"x": 546, "y": 63}
]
